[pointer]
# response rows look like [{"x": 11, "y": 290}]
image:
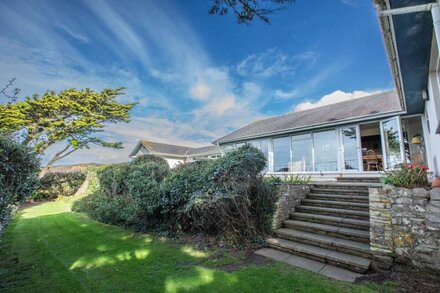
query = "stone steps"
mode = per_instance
[
  {"x": 346, "y": 198},
  {"x": 343, "y": 245},
  {"x": 343, "y": 213},
  {"x": 339, "y": 191},
  {"x": 324, "y": 255},
  {"x": 323, "y": 269},
  {"x": 330, "y": 230},
  {"x": 330, "y": 225},
  {"x": 336, "y": 204},
  {"x": 332, "y": 220},
  {"x": 359, "y": 179}
]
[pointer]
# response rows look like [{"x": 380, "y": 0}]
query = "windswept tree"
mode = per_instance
[
  {"x": 246, "y": 10},
  {"x": 72, "y": 116}
]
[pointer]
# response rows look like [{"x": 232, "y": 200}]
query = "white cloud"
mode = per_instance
[
  {"x": 273, "y": 62},
  {"x": 200, "y": 91},
  {"x": 332, "y": 98}
]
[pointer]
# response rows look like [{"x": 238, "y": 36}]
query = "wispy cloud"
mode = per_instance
[
  {"x": 273, "y": 62},
  {"x": 306, "y": 88}
]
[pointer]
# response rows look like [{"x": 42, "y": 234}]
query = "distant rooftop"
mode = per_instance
[
  {"x": 370, "y": 106},
  {"x": 175, "y": 150}
]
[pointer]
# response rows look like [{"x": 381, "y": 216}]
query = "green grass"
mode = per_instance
[{"x": 47, "y": 248}]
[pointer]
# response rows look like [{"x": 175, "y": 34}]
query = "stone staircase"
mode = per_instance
[{"x": 331, "y": 226}]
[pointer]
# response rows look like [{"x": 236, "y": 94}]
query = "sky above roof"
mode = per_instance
[{"x": 195, "y": 77}]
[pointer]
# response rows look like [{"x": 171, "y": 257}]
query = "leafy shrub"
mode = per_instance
[
  {"x": 178, "y": 188},
  {"x": 18, "y": 176},
  {"x": 234, "y": 202},
  {"x": 408, "y": 176},
  {"x": 226, "y": 197},
  {"x": 128, "y": 194},
  {"x": 56, "y": 184}
]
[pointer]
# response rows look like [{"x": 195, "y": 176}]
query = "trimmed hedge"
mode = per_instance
[
  {"x": 226, "y": 197},
  {"x": 56, "y": 184},
  {"x": 19, "y": 168}
]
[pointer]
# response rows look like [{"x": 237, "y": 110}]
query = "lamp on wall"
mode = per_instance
[{"x": 416, "y": 139}]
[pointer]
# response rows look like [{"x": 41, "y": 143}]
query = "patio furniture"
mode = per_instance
[{"x": 372, "y": 160}]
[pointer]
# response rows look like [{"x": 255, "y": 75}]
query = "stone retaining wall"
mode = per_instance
[
  {"x": 405, "y": 226},
  {"x": 290, "y": 196}
]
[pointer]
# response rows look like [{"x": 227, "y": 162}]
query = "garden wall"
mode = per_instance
[
  {"x": 405, "y": 226},
  {"x": 290, "y": 195}
]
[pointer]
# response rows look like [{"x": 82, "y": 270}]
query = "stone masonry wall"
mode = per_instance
[
  {"x": 290, "y": 196},
  {"x": 405, "y": 226}
]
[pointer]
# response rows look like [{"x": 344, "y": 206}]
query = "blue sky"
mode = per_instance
[{"x": 195, "y": 76}]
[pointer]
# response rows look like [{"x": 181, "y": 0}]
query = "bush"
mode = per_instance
[
  {"x": 19, "y": 167},
  {"x": 408, "y": 176},
  {"x": 56, "y": 184},
  {"x": 128, "y": 194},
  {"x": 234, "y": 201},
  {"x": 226, "y": 197}
]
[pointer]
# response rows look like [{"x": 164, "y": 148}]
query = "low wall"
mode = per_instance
[
  {"x": 290, "y": 196},
  {"x": 405, "y": 226}
]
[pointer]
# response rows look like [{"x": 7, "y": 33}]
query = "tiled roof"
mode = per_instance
[
  {"x": 372, "y": 105},
  {"x": 178, "y": 150}
]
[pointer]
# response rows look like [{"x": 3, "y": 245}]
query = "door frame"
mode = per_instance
[
  {"x": 342, "y": 148},
  {"x": 384, "y": 152}
]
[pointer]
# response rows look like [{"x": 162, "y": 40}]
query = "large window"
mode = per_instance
[
  {"x": 326, "y": 152},
  {"x": 302, "y": 153},
  {"x": 265, "y": 149},
  {"x": 351, "y": 150},
  {"x": 281, "y": 154}
]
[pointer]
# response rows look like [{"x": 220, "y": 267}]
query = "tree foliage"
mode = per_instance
[
  {"x": 74, "y": 116},
  {"x": 18, "y": 176},
  {"x": 246, "y": 10}
]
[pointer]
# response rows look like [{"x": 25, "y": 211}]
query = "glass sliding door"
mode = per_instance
[
  {"x": 281, "y": 154},
  {"x": 350, "y": 148},
  {"x": 325, "y": 145},
  {"x": 392, "y": 142},
  {"x": 302, "y": 157},
  {"x": 265, "y": 150}
]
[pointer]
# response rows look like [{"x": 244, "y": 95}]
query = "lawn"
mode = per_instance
[{"x": 48, "y": 248}]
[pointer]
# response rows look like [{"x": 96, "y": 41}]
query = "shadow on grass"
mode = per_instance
[{"x": 67, "y": 252}]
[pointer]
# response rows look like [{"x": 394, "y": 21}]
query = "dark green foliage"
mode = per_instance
[
  {"x": 226, "y": 197},
  {"x": 57, "y": 184},
  {"x": 179, "y": 187},
  {"x": 18, "y": 176},
  {"x": 234, "y": 203},
  {"x": 128, "y": 194}
]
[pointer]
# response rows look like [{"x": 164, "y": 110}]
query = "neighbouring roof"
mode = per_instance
[
  {"x": 175, "y": 150},
  {"x": 370, "y": 106},
  {"x": 408, "y": 39}
]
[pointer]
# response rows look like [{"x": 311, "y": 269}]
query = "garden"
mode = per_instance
[{"x": 192, "y": 228}]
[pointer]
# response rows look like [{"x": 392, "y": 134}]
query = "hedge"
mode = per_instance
[
  {"x": 59, "y": 184},
  {"x": 226, "y": 197}
]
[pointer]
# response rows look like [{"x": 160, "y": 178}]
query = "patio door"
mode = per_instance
[
  {"x": 350, "y": 148},
  {"x": 392, "y": 146}
]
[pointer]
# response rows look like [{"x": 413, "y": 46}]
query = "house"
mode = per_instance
[
  {"x": 411, "y": 31},
  {"x": 175, "y": 154},
  {"x": 356, "y": 223},
  {"x": 361, "y": 137}
]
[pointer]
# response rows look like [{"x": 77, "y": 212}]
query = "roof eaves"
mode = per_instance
[{"x": 312, "y": 126}]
